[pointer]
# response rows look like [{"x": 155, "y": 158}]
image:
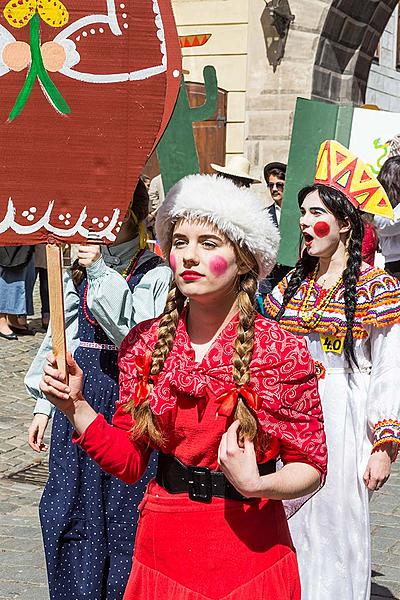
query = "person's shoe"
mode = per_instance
[
  {"x": 23, "y": 330},
  {"x": 9, "y": 336}
]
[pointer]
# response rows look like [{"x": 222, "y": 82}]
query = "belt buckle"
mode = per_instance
[{"x": 200, "y": 486}]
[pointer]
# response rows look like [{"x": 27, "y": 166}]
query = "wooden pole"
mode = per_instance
[{"x": 56, "y": 297}]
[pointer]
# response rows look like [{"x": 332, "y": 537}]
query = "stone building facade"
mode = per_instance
[
  {"x": 328, "y": 55},
  {"x": 384, "y": 78}
]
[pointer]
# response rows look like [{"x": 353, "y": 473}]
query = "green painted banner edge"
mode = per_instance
[{"x": 314, "y": 122}]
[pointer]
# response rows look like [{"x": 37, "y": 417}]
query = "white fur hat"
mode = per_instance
[{"x": 237, "y": 212}]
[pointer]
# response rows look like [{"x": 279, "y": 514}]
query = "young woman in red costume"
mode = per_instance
[{"x": 221, "y": 392}]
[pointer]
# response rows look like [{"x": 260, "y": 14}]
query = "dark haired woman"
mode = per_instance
[
  {"x": 349, "y": 315},
  {"x": 389, "y": 230},
  {"x": 89, "y": 519},
  {"x": 215, "y": 387}
]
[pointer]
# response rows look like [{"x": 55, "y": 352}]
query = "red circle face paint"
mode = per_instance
[
  {"x": 322, "y": 229},
  {"x": 218, "y": 266},
  {"x": 172, "y": 262}
]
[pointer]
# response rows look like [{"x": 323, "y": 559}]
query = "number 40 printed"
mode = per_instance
[{"x": 331, "y": 343}]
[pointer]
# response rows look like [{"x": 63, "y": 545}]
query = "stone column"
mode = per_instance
[{"x": 271, "y": 96}]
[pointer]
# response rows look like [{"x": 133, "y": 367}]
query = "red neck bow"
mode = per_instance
[
  {"x": 229, "y": 399},
  {"x": 144, "y": 386}
]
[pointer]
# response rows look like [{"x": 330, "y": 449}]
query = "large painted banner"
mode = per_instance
[
  {"x": 371, "y": 134},
  {"x": 86, "y": 89}
]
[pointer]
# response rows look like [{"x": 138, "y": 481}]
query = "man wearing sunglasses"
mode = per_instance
[{"x": 274, "y": 175}]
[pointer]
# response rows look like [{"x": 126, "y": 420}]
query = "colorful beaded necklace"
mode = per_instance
[
  {"x": 312, "y": 316},
  {"x": 126, "y": 274}
]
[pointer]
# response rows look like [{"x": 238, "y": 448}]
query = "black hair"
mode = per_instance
[
  {"x": 389, "y": 178},
  {"x": 279, "y": 173},
  {"x": 139, "y": 205},
  {"x": 342, "y": 209},
  {"x": 238, "y": 181}
]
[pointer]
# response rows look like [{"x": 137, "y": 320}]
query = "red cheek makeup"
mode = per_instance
[
  {"x": 172, "y": 262},
  {"x": 218, "y": 266},
  {"x": 321, "y": 229}
]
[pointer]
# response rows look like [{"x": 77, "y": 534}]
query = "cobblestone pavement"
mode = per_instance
[{"x": 22, "y": 569}]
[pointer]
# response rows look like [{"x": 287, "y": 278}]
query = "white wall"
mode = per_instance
[{"x": 227, "y": 21}]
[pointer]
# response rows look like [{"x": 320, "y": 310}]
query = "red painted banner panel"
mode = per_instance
[{"x": 86, "y": 89}]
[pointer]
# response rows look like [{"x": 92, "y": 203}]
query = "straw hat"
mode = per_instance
[{"x": 237, "y": 166}]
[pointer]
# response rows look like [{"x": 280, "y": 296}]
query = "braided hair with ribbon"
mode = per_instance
[{"x": 240, "y": 400}]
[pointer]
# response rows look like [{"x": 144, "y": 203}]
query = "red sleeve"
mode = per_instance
[
  {"x": 112, "y": 447},
  {"x": 291, "y": 409},
  {"x": 369, "y": 244},
  {"x": 290, "y": 454}
]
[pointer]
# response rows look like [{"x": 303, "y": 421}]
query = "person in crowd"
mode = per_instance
[
  {"x": 14, "y": 262},
  {"x": 370, "y": 241},
  {"x": 220, "y": 392},
  {"x": 349, "y": 315},
  {"x": 157, "y": 197},
  {"x": 274, "y": 177},
  {"x": 389, "y": 231},
  {"x": 41, "y": 273},
  {"x": 89, "y": 519},
  {"x": 146, "y": 180},
  {"x": 237, "y": 170},
  {"x": 37, "y": 267}
]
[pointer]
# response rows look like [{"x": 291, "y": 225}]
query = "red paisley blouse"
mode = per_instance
[{"x": 194, "y": 401}]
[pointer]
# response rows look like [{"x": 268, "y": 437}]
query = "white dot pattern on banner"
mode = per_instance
[{"x": 29, "y": 215}]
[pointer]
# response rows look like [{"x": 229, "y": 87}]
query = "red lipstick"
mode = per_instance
[{"x": 191, "y": 275}]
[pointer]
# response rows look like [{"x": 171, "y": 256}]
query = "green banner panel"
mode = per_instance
[{"x": 314, "y": 122}]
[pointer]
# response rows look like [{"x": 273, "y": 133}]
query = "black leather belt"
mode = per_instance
[{"x": 199, "y": 482}]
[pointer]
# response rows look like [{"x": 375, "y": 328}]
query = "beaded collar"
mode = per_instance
[{"x": 378, "y": 304}]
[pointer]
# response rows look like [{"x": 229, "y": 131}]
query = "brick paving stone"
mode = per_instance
[{"x": 385, "y": 528}]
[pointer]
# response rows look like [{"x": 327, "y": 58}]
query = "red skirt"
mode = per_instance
[{"x": 226, "y": 550}]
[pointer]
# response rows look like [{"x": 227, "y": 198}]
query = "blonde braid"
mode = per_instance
[
  {"x": 145, "y": 422},
  {"x": 243, "y": 351},
  {"x": 167, "y": 329}
]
